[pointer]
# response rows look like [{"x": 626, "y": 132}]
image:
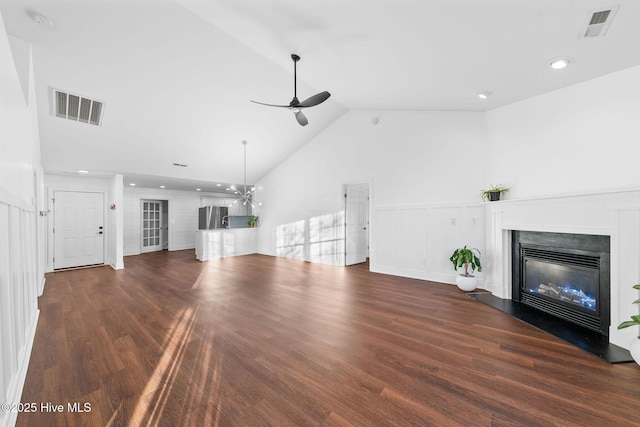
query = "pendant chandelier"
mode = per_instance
[{"x": 246, "y": 196}]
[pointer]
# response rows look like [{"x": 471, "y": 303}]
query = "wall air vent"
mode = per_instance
[
  {"x": 75, "y": 107},
  {"x": 598, "y": 22}
]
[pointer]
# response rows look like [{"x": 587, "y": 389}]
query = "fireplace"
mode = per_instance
[{"x": 565, "y": 275}]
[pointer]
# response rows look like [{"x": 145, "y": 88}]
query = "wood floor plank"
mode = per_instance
[{"x": 258, "y": 340}]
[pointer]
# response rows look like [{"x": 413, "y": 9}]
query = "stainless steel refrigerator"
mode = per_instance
[{"x": 212, "y": 217}]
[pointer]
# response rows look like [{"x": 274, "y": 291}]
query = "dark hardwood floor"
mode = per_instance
[{"x": 256, "y": 340}]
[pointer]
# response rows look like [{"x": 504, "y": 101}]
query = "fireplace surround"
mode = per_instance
[
  {"x": 565, "y": 275},
  {"x": 613, "y": 214}
]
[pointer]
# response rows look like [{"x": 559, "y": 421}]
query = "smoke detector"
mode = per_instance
[{"x": 40, "y": 19}]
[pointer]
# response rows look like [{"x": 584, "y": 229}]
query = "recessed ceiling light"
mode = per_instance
[
  {"x": 132, "y": 184},
  {"x": 228, "y": 189},
  {"x": 197, "y": 189},
  {"x": 484, "y": 94},
  {"x": 218, "y": 185},
  {"x": 82, "y": 171},
  {"x": 559, "y": 63},
  {"x": 162, "y": 186}
]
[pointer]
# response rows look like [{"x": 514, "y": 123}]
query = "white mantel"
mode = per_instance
[{"x": 615, "y": 214}]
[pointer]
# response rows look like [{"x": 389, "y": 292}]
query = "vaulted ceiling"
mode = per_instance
[{"x": 176, "y": 77}]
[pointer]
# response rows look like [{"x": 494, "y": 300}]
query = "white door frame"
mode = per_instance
[
  {"x": 155, "y": 247},
  {"x": 367, "y": 221},
  {"x": 51, "y": 223}
]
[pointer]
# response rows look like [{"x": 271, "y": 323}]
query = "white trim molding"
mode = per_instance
[{"x": 19, "y": 290}]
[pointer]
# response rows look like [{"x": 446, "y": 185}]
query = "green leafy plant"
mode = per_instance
[
  {"x": 466, "y": 257},
  {"x": 635, "y": 320},
  {"x": 493, "y": 189},
  {"x": 252, "y": 221}
]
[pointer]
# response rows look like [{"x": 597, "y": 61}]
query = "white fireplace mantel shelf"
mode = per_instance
[{"x": 627, "y": 191}]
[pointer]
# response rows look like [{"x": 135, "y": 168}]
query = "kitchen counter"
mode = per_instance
[{"x": 226, "y": 242}]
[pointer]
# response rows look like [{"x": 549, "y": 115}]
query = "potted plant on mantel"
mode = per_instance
[
  {"x": 493, "y": 193},
  {"x": 635, "y": 321},
  {"x": 465, "y": 257}
]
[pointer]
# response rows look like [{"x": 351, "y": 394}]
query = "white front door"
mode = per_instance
[
  {"x": 78, "y": 229},
  {"x": 151, "y": 225},
  {"x": 357, "y": 222}
]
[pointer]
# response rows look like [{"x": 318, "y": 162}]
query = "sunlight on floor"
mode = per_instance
[{"x": 202, "y": 373}]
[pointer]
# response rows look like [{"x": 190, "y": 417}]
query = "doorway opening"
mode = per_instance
[{"x": 356, "y": 199}]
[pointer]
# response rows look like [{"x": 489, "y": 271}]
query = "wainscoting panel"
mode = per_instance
[
  {"x": 413, "y": 248},
  {"x": 18, "y": 298},
  {"x": 416, "y": 241},
  {"x": 384, "y": 242}
]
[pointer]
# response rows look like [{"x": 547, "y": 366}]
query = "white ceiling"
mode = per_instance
[{"x": 177, "y": 76}]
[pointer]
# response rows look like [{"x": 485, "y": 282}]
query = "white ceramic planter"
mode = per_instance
[
  {"x": 466, "y": 283},
  {"x": 635, "y": 350}
]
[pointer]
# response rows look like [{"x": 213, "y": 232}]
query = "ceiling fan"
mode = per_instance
[{"x": 297, "y": 106}]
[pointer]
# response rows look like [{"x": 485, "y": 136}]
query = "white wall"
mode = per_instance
[
  {"x": 423, "y": 168},
  {"x": 579, "y": 145},
  {"x": 426, "y": 169},
  {"x": 583, "y": 138},
  {"x": 20, "y": 225},
  {"x": 183, "y": 216}
]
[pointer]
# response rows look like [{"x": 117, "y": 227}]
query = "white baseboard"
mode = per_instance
[
  {"x": 118, "y": 266},
  {"x": 41, "y": 290},
  {"x": 14, "y": 392}
]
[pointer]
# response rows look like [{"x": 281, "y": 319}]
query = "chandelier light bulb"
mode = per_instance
[{"x": 246, "y": 196}]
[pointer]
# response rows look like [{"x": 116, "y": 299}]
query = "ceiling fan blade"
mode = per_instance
[
  {"x": 271, "y": 105},
  {"x": 316, "y": 99},
  {"x": 301, "y": 118}
]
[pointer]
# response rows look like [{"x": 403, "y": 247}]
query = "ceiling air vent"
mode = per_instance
[
  {"x": 598, "y": 22},
  {"x": 75, "y": 107}
]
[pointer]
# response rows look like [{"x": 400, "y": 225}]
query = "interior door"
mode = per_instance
[
  {"x": 357, "y": 223},
  {"x": 151, "y": 225},
  {"x": 78, "y": 229}
]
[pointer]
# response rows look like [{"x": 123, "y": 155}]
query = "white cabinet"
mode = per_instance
[{"x": 222, "y": 243}]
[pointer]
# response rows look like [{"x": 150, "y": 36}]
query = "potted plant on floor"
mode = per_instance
[
  {"x": 635, "y": 321},
  {"x": 493, "y": 193},
  {"x": 467, "y": 258}
]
